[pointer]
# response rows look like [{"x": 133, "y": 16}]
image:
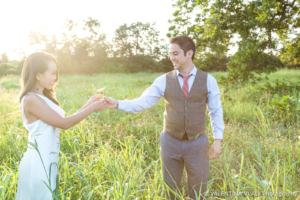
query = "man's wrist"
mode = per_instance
[
  {"x": 221, "y": 140},
  {"x": 117, "y": 106}
]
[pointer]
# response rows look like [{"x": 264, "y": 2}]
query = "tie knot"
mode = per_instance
[{"x": 185, "y": 78}]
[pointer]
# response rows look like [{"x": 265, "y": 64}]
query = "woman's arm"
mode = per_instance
[{"x": 39, "y": 108}]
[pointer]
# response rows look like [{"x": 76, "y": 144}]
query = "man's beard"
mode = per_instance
[{"x": 179, "y": 67}]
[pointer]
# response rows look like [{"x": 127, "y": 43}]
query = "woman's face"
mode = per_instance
[{"x": 47, "y": 79}]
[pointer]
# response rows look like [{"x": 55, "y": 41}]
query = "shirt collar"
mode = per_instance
[{"x": 193, "y": 72}]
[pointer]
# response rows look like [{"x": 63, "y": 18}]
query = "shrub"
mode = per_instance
[
  {"x": 284, "y": 109},
  {"x": 6, "y": 68},
  {"x": 212, "y": 63},
  {"x": 166, "y": 65},
  {"x": 281, "y": 87},
  {"x": 111, "y": 67},
  {"x": 141, "y": 63}
]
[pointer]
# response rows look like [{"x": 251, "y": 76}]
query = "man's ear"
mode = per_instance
[{"x": 190, "y": 54}]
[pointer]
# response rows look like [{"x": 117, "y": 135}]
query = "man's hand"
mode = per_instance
[
  {"x": 99, "y": 105},
  {"x": 215, "y": 149},
  {"x": 111, "y": 103}
]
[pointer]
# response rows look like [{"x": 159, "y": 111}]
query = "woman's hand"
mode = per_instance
[
  {"x": 99, "y": 105},
  {"x": 93, "y": 99}
]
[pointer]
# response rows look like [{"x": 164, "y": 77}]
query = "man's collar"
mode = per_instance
[{"x": 194, "y": 71}]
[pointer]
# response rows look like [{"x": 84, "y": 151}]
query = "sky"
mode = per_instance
[{"x": 18, "y": 18}]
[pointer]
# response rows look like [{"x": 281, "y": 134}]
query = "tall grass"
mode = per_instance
[{"x": 115, "y": 155}]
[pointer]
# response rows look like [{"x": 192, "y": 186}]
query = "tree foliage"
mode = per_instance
[
  {"x": 83, "y": 48},
  {"x": 139, "y": 39},
  {"x": 4, "y": 58},
  {"x": 256, "y": 26},
  {"x": 290, "y": 53}
]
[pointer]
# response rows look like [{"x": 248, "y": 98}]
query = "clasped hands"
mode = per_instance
[{"x": 100, "y": 105}]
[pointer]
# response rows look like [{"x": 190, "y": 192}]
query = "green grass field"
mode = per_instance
[{"x": 115, "y": 155}]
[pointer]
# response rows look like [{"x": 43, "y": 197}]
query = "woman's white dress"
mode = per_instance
[{"x": 33, "y": 174}]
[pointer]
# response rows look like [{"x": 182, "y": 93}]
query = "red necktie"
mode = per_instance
[{"x": 185, "y": 87}]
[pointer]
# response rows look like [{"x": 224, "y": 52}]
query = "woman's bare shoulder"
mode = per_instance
[{"x": 33, "y": 100}]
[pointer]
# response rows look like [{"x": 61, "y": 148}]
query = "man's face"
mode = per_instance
[{"x": 177, "y": 57}]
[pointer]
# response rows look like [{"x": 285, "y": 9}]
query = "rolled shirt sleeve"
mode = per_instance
[{"x": 215, "y": 107}]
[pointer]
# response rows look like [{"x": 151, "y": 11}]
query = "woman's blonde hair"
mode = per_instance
[{"x": 37, "y": 63}]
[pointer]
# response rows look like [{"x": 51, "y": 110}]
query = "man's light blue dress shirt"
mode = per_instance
[{"x": 156, "y": 91}]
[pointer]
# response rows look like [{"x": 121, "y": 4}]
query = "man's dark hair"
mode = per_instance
[{"x": 185, "y": 43}]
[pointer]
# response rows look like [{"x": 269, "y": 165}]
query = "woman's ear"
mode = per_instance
[{"x": 38, "y": 76}]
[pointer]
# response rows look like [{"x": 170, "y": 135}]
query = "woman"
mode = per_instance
[{"x": 43, "y": 117}]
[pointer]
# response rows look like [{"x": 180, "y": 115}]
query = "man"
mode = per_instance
[{"x": 183, "y": 141}]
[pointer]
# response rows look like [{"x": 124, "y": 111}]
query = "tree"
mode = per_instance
[
  {"x": 290, "y": 53},
  {"x": 83, "y": 42},
  {"x": 256, "y": 26},
  {"x": 44, "y": 41},
  {"x": 152, "y": 41},
  {"x": 121, "y": 41},
  {"x": 138, "y": 32},
  {"x": 138, "y": 39},
  {"x": 4, "y": 58},
  {"x": 7, "y": 68}
]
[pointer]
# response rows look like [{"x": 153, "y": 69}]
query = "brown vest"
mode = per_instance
[{"x": 185, "y": 115}]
